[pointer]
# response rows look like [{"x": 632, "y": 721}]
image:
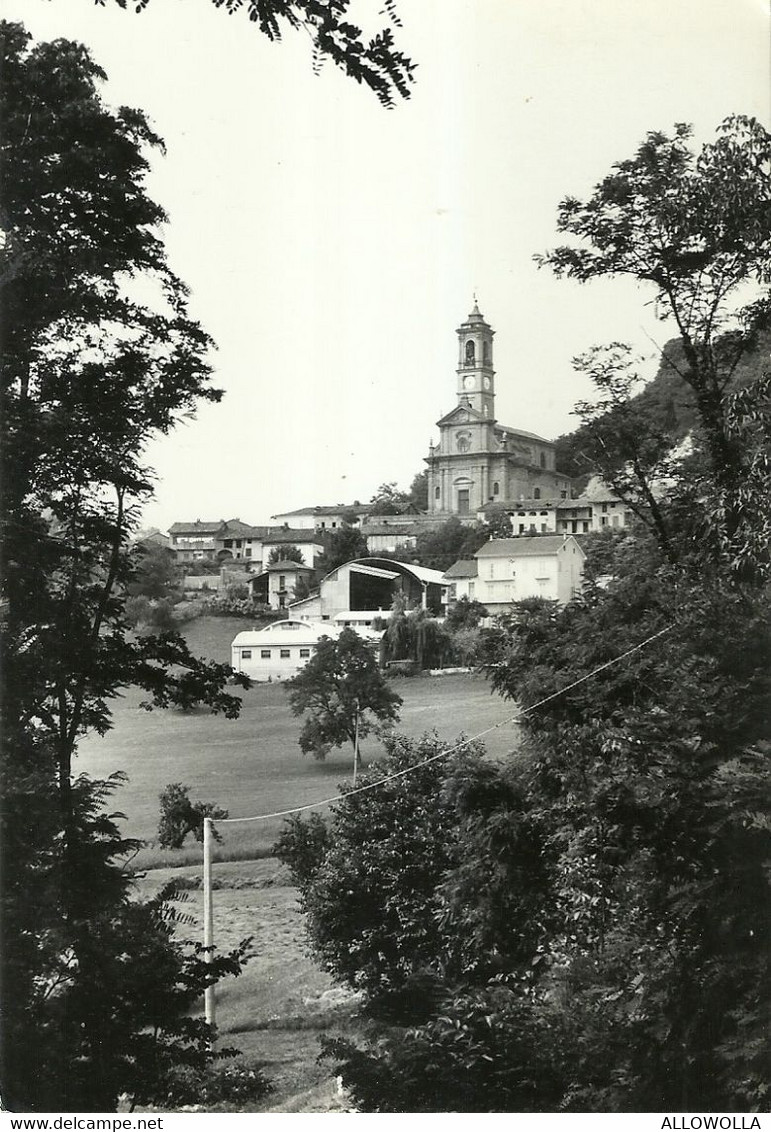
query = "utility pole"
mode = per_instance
[
  {"x": 356, "y": 744},
  {"x": 208, "y": 915}
]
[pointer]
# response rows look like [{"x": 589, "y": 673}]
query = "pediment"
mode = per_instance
[{"x": 463, "y": 414}]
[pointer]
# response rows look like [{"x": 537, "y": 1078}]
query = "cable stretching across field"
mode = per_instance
[{"x": 450, "y": 750}]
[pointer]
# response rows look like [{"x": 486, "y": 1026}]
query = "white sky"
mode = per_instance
[{"x": 333, "y": 247}]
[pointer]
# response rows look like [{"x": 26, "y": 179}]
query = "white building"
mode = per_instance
[
  {"x": 278, "y": 651},
  {"x": 512, "y": 569},
  {"x": 323, "y": 517}
]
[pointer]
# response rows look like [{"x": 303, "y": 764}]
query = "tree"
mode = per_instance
[
  {"x": 388, "y": 500},
  {"x": 285, "y": 554},
  {"x": 695, "y": 227},
  {"x": 340, "y": 546},
  {"x": 180, "y": 816},
  {"x": 418, "y": 493},
  {"x": 377, "y": 64},
  {"x": 343, "y": 692},
  {"x": 370, "y": 877},
  {"x": 90, "y": 374},
  {"x": 439, "y": 548},
  {"x": 466, "y": 613}
]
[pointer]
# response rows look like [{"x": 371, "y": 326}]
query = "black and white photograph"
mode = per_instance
[{"x": 386, "y": 547}]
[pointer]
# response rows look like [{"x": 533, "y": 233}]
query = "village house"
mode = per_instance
[
  {"x": 323, "y": 518},
  {"x": 506, "y": 570},
  {"x": 276, "y": 583},
  {"x": 389, "y": 532},
  {"x": 195, "y": 541}
]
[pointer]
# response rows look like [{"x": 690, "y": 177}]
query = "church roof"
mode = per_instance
[
  {"x": 521, "y": 432},
  {"x": 476, "y": 318}
]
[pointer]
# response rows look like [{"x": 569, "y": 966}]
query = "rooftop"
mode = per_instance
[
  {"x": 524, "y": 546},
  {"x": 463, "y": 568}
]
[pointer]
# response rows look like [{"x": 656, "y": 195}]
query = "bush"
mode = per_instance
[
  {"x": 231, "y": 1082},
  {"x": 180, "y": 816}
]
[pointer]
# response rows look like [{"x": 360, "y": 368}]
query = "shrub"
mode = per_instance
[
  {"x": 231, "y": 1082},
  {"x": 180, "y": 816}
]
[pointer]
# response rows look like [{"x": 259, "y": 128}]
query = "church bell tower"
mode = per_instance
[{"x": 476, "y": 377}]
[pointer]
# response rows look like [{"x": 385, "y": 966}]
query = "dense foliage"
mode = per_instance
[
  {"x": 595, "y": 922},
  {"x": 180, "y": 816},
  {"x": 94, "y": 988},
  {"x": 340, "y": 546}
]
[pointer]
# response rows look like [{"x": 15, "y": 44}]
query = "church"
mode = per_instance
[{"x": 479, "y": 462}]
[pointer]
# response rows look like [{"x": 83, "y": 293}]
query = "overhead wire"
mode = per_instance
[{"x": 450, "y": 750}]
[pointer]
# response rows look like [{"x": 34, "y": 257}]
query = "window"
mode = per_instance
[
  {"x": 470, "y": 353},
  {"x": 285, "y": 654},
  {"x": 543, "y": 459},
  {"x": 246, "y": 654},
  {"x": 563, "y": 495},
  {"x": 543, "y": 526},
  {"x": 227, "y": 542},
  {"x": 463, "y": 441},
  {"x": 248, "y": 552},
  {"x": 537, "y": 493},
  {"x": 265, "y": 654},
  {"x": 604, "y": 521},
  {"x": 496, "y": 488},
  {"x": 305, "y": 653},
  {"x": 437, "y": 492},
  {"x": 463, "y": 501},
  {"x": 471, "y": 588},
  {"x": 486, "y": 351},
  {"x": 238, "y": 542},
  {"x": 605, "y": 507},
  {"x": 282, "y": 581}
]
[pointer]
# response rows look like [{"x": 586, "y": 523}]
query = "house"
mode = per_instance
[
  {"x": 590, "y": 512},
  {"x": 387, "y": 532},
  {"x": 324, "y": 518},
  {"x": 194, "y": 541},
  {"x": 511, "y": 569},
  {"x": 372, "y": 584},
  {"x": 462, "y": 579},
  {"x": 477, "y": 460},
  {"x": 277, "y": 539},
  {"x": 276, "y": 583},
  {"x": 278, "y": 651}
]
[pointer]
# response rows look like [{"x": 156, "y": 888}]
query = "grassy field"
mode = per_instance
[
  {"x": 277, "y": 1009},
  {"x": 253, "y": 765}
]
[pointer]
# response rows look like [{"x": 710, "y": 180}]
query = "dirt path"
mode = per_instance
[{"x": 276, "y": 1011}]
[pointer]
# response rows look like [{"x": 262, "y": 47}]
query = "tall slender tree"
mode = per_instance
[{"x": 99, "y": 356}]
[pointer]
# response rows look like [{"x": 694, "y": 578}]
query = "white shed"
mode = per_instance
[{"x": 278, "y": 651}]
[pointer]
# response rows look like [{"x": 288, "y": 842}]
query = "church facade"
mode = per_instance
[{"x": 477, "y": 460}]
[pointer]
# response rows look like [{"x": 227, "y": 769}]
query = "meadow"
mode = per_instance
[
  {"x": 283, "y": 1002},
  {"x": 253, "y": 765}
]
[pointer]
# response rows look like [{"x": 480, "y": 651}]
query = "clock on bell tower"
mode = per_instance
[{"x": 476, "y": 377}]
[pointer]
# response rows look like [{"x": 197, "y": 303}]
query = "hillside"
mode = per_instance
[{"x": 666, "y": 401}]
